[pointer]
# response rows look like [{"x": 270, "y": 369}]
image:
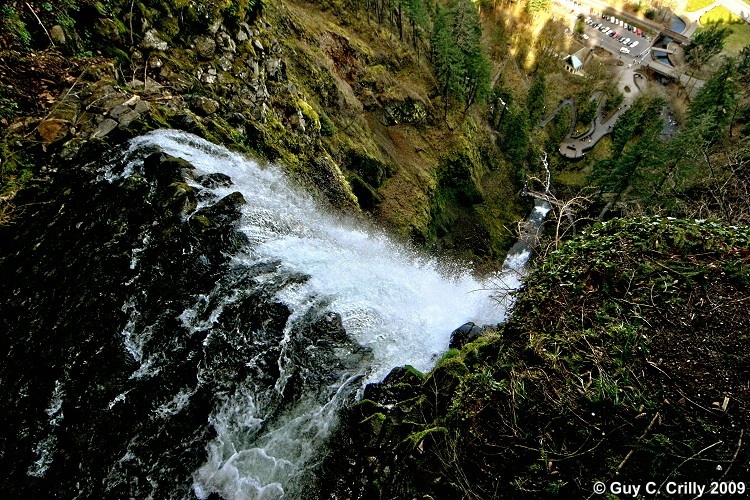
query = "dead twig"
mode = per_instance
[
  {"x": 622, "y": 464},
  {"x": 684, "y": 462},
  {"x": 59, "y": 101},
  {"x": 736, "y": 452}
]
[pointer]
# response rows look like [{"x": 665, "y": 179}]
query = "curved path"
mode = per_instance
[
  {"x": 566, "y": 102},
  {"x": 630, "y": 84}
]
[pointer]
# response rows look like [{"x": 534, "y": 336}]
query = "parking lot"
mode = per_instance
[
  {"x": 615, "y": 35},
  {"x": 607, "y": 31}
]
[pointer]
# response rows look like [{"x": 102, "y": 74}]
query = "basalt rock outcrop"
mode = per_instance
[{"x": 70, "y": 278}]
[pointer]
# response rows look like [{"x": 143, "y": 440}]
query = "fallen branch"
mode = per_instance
[
  {"x": 622, "y": 464},
  {"x": 40, "y": 24}
]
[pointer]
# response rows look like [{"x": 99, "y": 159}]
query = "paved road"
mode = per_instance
[
  {"x": 738, "y": 7},
  {"x": 567, "y": 102}
]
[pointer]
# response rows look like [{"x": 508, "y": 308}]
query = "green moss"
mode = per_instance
[
  {"x": 310, "y": 114},
  {"x": 450, "y": 353},
  {"x": 410, "y": 369},
  {"x": 587, "y": 367},
  {"x": 12, "y": 23},
  {"x": 453, "y": 366},
  {"x": 374, "y": 423},
  {"x": 327, "y": 128},
  {"x": 415, "y": 438}
]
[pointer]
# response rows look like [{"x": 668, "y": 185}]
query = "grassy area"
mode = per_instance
[
  {"x": 695, "y": 5},
  {"x": 720, "y": 14},
  {"x": 739, "y": 38}
]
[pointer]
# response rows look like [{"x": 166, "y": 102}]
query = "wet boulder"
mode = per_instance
[
  {"x": 464, "y": 334},
  {"x": 166, "y": 169},
  {"x": 214, "y": 180},
  {"x": 225, "y": 211}
]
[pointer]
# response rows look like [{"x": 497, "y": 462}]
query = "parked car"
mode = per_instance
[
  {"x": 634, "y": 43},
  {"x": 625, "y": 50},
  {"x": 626, "y": 41}
]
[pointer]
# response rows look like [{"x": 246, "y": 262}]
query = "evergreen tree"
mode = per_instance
[
  {"x": 446, "y": 58},
  {"x": 715, "y": 102},
  {"x": 419, "y": 20},
  {"x": 536, "y": 96},
  {"x": 705, "y": 44},
  {"x": 477, "y": 70},
  {"x": 637, "y": 155},
  {"x": 588, "y": 113},
  {"x": 741, "y": 111},
  {"x": 516, "y": 138}
]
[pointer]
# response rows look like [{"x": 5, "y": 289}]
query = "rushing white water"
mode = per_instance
[{"x": 399, "y": 305}]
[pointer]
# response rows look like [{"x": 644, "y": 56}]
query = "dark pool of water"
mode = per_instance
[{"x": 677, "y": 25}]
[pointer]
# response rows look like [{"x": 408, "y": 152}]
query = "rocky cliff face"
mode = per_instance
[{"x": 333, "y": 97}]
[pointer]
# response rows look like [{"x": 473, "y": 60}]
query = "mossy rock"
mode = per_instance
[{"x": 310, "y": 114}]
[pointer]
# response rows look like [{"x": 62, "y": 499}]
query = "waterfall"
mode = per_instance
[
  {"x": 398, "y": 305},
  {"x": 250, "y": 369}
]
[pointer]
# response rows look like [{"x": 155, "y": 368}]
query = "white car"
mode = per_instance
[
  {"x": 625, "y": 50},
  {"x": 635, "y": 44}
]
